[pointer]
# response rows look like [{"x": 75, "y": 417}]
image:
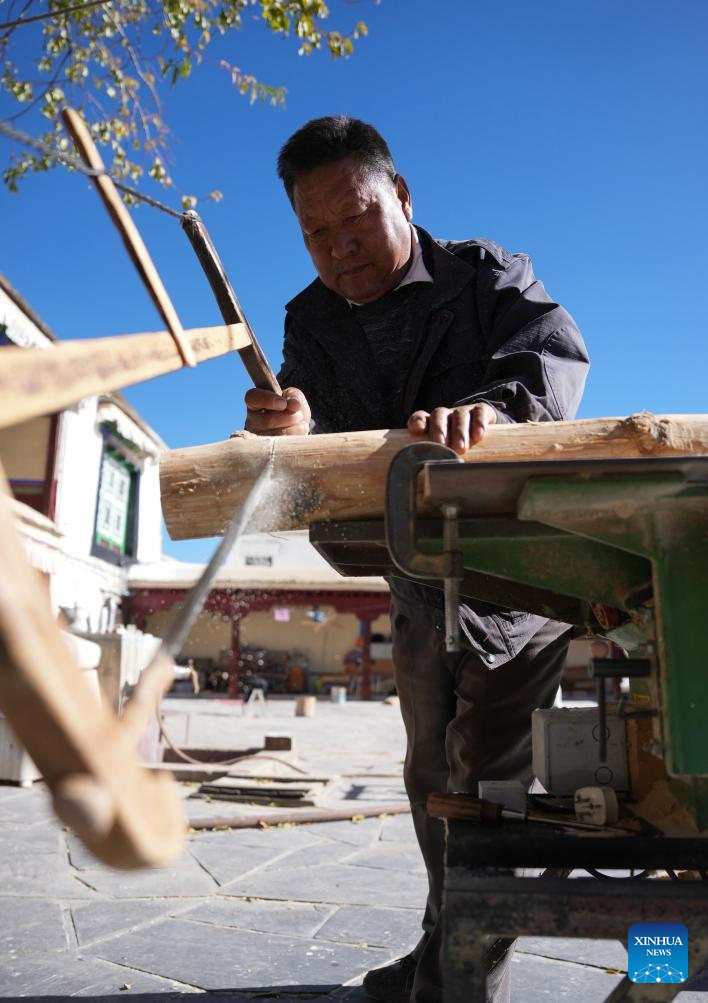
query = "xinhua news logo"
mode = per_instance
[{"x": 658, "y": 952}]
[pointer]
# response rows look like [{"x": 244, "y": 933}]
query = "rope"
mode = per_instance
[
  {"x": 52, "y": 13},
  {"x": 185, "y": 757},
  {"x": 68, "y": 161}
]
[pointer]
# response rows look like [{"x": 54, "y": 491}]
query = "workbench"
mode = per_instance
[{"x": 617, "y": 548}]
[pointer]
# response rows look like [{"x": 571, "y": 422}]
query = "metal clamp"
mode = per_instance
[{"x": 402, "y": 530}]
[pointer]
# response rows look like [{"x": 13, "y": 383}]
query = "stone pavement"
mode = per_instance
[{"x": 281, "y": 913}]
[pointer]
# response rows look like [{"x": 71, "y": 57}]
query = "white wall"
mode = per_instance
[
  {"x": 20, "y": 329},
  {"x": 149, "y": 546},
  {"x": 78, "y": 471}
]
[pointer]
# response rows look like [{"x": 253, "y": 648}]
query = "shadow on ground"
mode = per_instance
[{"x": 256, "y": 994}]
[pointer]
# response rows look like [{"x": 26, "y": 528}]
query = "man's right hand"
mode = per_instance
[{"x": 271, "y": 414}]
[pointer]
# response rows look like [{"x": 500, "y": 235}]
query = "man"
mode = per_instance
[{"x": 445, "y": 338}]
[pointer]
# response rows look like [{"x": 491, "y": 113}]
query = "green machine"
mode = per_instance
[{"x": 617, "y": 548}]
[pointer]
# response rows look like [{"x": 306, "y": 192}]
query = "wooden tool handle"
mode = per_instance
[
  {"x": 465, "y": 807},
  {"x": 77, "y": 129},
  {"x": 252, "y": 355},
  {"x": 127, "y": 817},
  {"x": 34, "y": 381}
]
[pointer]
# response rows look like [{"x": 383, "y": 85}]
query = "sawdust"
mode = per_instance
[{"x": 663, "y": 809}]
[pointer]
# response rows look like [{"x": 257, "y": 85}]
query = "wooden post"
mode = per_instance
[
  {"x": 234, "y": 669},
  {"x": 366, "y": 658}
]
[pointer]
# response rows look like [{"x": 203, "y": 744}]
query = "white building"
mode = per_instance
[{"x": 86, "y": 488}]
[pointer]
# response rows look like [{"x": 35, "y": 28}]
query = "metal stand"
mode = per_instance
[{"x": 485, "y": 901}]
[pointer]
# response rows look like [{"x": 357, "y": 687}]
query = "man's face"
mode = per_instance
[{"x": 356, "y": 227}]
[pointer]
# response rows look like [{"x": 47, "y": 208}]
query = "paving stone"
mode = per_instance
[
  {"x": 398, "y": 828},
  {"x": 390, "y": 857},
  {"x": 30, "y": 807},
  {"x": 325, "y": 851},
  {"x": 46, "y": 874},
  {"x": 600, "y": 953},
  {"x": 285, "y": 838},
  {"x": 364, "y": 833},
  {"x": 214, "y": 958},
  {"x": 8, "y": 791},
  {"x": 167, "y": 994},
  {"x": 200, "y": 807},
  {"x": 371, "y": 790},
  {"x": 79, "y": 856},
  {"x": 16, "y": 839},
  {"x": 30, "y": 927},
  {"x": 97, "y": 920},
  {"x": 396, "y": 929},
  {"x": 226, "y": 862},
  {"x": 73, "y": 976},
  {"x": 295, "y": 919},
  {"x": 338, "y": 884},
  {"x": 186, "y": 879},
  {"x": 539, "y": 980}
]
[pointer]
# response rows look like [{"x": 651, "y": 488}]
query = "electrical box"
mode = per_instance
[{"x": 566, "y": 750}]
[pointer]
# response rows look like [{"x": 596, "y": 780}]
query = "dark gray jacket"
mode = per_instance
[{"x": 488, "y": 331}]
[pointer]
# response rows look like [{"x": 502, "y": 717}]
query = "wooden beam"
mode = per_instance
[
  {"x": 38, "y": 381},
  {"x": 127, "y": 817},
  {"x": 134, "y": 244},
  {"x": 343, "y": 476}
]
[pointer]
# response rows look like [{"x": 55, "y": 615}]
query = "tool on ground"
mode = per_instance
[
  {"x": 252, "y": 355},
  {"x": 78, "y": 130},
  {"x": 468, "y": 808}
]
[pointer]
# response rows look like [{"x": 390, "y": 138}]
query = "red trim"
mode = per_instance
[
  {"x": 237, "y": 603},
  {"x": 49, "y": 495},
  {"x": 366, "y": 661},
  {"x": 235, "y": 654}
]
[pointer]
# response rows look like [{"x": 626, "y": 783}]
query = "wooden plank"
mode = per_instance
[
  {"x": 38, "y": 381},
  {"x": 127, "y": 817},
  {"x": 134, "y": 244},
  {"x": 352, "y": 813},
  {"x": 343, "y": 476}
]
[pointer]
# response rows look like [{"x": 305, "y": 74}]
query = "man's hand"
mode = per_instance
[
  {"x": 457, "y": 427},
  {"x": 270, "y": 414}
]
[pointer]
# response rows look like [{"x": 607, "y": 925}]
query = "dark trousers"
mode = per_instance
[{"x": 464, "y": 723}]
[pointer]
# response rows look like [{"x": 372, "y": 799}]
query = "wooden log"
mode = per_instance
[
  {"x": 38, "y": 381},
  {"x": 126, "y": 816},
  {"x": 343, "y": 476}
]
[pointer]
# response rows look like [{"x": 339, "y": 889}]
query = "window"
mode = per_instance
[
  {"x": 114, "y": 536},
  {"x": 259, "y": 560}
]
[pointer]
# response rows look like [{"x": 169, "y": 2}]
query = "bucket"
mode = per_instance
[
  {"x": 305, "y": 706},
  {"x": 338, "y": 694}
]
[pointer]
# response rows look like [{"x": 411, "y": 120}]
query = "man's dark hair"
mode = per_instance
[{"x": 325, "y": 140}]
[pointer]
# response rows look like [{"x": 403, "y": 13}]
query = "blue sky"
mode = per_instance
[{"x": 576, "y": 132}]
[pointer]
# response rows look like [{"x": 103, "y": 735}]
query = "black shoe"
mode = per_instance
[{"x": 393, "y": 983}]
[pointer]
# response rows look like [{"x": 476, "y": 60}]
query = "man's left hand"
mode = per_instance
[{"x": 458, "y": 427}]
